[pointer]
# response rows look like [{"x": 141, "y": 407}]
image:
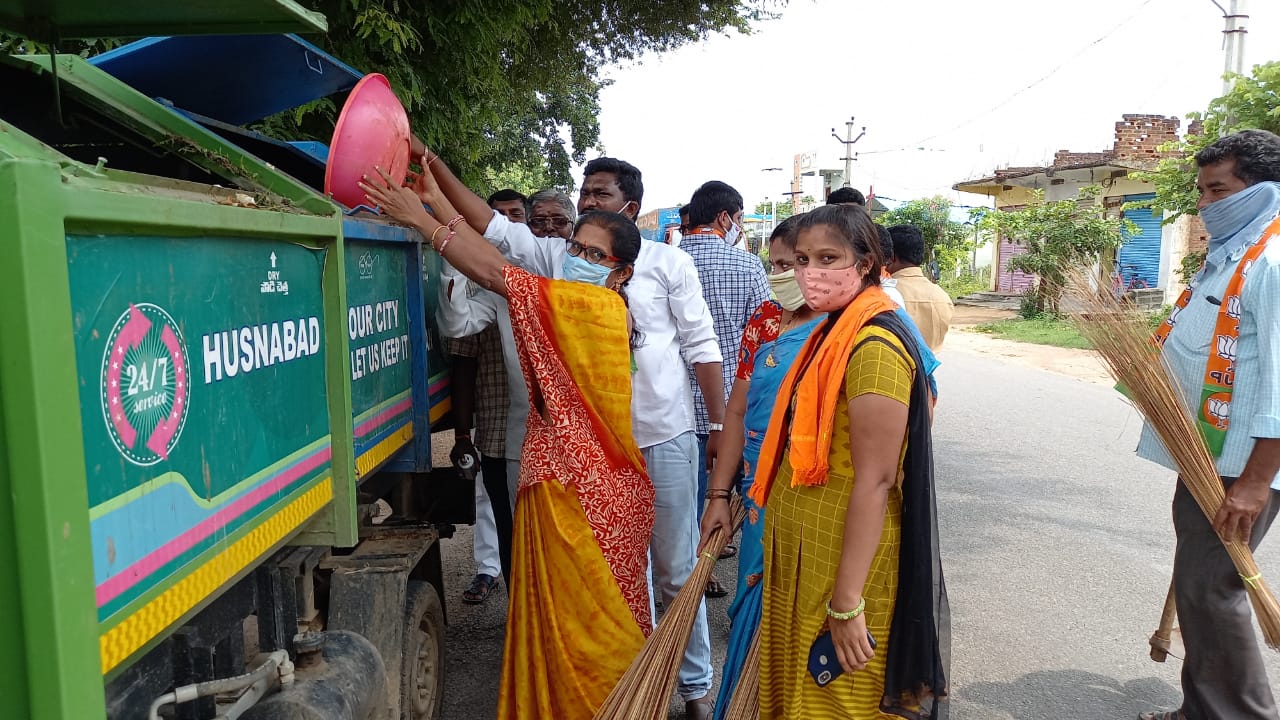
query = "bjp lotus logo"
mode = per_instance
[
  {"x": 1218, "y": 407},
  {"x": 1244, "y": 270},
  {"x": 1173, "y": 315},
  {"x": 1227, "y": 348},
  {"x": 1233, "y": 307}
]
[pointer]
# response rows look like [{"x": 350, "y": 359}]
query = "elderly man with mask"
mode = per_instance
[{"x": 1222, "y": 344}]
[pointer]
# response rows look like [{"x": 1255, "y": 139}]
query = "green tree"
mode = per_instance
[
  {"x": 496, "y": 84},
  {"x": 782, "y": 207},
  {"x": 1252, "y": 103},
  {"x": 1059, "y": 237},
  {"x": 945, "y": 240}
]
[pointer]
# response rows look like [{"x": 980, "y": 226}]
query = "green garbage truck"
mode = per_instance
[{"x": 217, "y": 387}]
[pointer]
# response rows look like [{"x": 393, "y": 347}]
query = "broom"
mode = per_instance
[
  {"x": 1122, "y": 336},
  {"x": 745, "y": 703},
  {"x": 644, "y": 692}
]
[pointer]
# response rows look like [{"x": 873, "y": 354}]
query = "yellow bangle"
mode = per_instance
[
  {"x": 862, "y": 605},
  {"x": 434, "y": 233}
]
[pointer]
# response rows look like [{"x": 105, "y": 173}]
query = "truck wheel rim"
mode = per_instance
[{"x": 424, "y": 686}]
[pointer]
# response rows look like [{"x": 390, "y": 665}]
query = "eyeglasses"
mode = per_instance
[
  {"x": 592, "y": 255},
  {"x": 553, "y": 222}
]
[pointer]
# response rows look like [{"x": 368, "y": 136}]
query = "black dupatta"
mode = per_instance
[{"x": 920, "y": 635}]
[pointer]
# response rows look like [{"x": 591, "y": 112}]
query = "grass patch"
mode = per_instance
[{"x": 1042, "y": 330}]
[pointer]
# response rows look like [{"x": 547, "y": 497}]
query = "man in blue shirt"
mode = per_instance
[
  {"x": 734, "y": 286},
  {"x": 1223, "y": 675}
]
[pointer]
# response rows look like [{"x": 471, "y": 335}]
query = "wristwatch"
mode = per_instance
[{"x": 715, "y": 427}]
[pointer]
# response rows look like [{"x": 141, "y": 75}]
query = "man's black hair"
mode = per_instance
[
  {"x": 908, "y": 244},
  {"x": 1256, "y": 152},
  {"x": 846, "y": 195},
  {"x": 886, "y": 242},
  {"x": 506, "y": 195},
  {"x": 713, "y": 198},
  {"x": 628, "y": 175}
]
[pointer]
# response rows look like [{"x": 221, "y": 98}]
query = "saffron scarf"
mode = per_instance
[
  {"x": 1214, "y": 412},
  {"x": 815, "y": 381}
]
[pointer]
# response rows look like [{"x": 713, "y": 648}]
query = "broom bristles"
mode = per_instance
[
  {"x": 644, "y": 692},
  {"x": 745, "y": 703},
  {"x": 1121, "y": 334}
]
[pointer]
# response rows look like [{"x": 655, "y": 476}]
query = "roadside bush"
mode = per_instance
[
  {"x": 967, "y": 283},
  {"x": 1029, "y": 307}
]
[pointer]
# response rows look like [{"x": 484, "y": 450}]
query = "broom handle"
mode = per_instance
[{"x": 1160, "y": 639}]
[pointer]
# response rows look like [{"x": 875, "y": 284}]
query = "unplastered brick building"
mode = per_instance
[{"x": 1150, "y": 257}]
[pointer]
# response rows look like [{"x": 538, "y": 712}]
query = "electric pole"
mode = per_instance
[
  {"x": 1236, "y": 16},
  {"x": 849, "y": 154}
]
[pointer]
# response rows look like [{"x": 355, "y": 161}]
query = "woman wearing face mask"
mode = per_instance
[
  {"x": 850, "y": 541},
  {"x": 585, "y": 505},
  {"x": 770, "y": 342}
]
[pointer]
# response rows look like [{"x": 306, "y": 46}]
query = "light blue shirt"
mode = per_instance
[{"x": 1255, "y": 401}]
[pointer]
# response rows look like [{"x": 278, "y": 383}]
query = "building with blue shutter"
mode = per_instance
[{"x": 1152, "y": 254}]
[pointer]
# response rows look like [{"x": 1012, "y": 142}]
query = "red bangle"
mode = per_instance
[
  {"x": 454, "y": 222},
  {"x": 445, "y": 243}
]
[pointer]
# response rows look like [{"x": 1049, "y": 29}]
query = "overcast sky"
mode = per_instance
[{"x": 950, "y": 76}]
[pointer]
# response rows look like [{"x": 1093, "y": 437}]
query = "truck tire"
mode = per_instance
[{"x": 422, "y": 669}]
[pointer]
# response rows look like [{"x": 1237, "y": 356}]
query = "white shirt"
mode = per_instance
[
  {"x": 665, "y": 299},
  {"x": 890, "y": 287},
  {"x": 466, "y": 309}
]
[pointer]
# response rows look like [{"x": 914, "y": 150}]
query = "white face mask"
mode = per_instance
[
  {"x": 731, "y": 235},
  {"x": 787, "y": 290}
]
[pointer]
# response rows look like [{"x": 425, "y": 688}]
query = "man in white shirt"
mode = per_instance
[{"x": 676, "y": 334}]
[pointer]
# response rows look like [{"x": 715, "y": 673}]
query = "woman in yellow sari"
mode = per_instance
[
  {"x": 579, "y": 608},
  {"x": 854, "y": 623}
]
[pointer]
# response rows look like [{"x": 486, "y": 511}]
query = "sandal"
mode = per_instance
[
  {"x": 715, "y": 589},
  {"x": 728, "y": 552},
  {"x": 1162, "y": 715},
  {"x": 480, "y": 588}
]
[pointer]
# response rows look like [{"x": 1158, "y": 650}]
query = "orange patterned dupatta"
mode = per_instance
[{"x": 579, "y": 608}]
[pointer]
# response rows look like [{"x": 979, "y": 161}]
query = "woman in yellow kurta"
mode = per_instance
[
  {"x": 579, "y": 608},
  {"x": 851, "y": 530}
]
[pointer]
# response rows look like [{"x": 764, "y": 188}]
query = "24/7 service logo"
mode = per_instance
[{"x": 145, "y": 389}]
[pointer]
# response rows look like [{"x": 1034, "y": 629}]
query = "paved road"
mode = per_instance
[{"x": 1057, "y": 549}]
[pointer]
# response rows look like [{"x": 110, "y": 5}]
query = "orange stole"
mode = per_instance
[
  {"x": 815, "y": 380},
  {"x": 579, "y": 607}
]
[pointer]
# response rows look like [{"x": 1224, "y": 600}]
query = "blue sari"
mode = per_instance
[{"x": 772, "y": 361}]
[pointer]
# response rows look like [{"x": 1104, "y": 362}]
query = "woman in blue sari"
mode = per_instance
[
  {"x": 773, "y": 336},
  {"x": 772, "y": 339}
]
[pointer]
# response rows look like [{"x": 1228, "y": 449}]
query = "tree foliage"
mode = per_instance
[
  {"x": 783, "y": 208},
  {"x": 945, "y": 240},
  {"x": 1059, "y": 237},
  {"x": 494, "y": 85},
  {"x": 1252, "y": 103}
]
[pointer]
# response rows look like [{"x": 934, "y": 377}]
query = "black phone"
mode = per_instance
[{"x": 824, "y": 666}]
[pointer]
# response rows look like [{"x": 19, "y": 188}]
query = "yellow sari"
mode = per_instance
[{"x": 579, "y": 609}]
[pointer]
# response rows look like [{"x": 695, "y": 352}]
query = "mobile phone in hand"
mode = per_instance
[{"x": 824, "y": 666}]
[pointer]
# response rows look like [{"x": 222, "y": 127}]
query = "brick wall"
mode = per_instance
[
  {"x": 1064, "y": 158},
  {"x": 1197, "y": 235},
  {"x": 1139, "y": 137}
]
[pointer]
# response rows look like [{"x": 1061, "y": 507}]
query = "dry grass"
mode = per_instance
[
  {"x": 1122, "y": 336},
  {"x": 644, "y": 692}
]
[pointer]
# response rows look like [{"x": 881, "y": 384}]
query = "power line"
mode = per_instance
[{"x": 1048, "y": 75}]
